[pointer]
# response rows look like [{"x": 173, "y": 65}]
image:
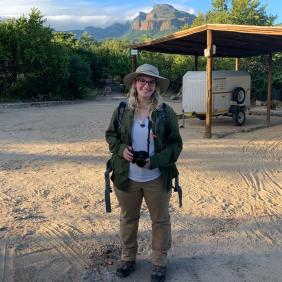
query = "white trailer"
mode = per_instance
[{"x": 230, "y": 94}]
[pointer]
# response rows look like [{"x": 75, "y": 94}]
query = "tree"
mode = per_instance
[
  {"x": 219, "y": 5},
  {"x": 219, "y": 12},
  {"x": 37, "y": 66},
  {"x": 112, "y": 58},
  {"x": 250, "y": 12},
  {"x": 79, "y": 78}
]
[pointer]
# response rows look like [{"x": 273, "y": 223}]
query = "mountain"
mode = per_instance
[
  {"x": 162, "y": 17},
  {"x": 161, "y": 20},
  {"x": 115, "y": 30}
]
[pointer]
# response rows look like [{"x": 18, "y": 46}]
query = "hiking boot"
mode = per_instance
[
  {"x": 158, "y": 273},
  {"x": 125, "y": 268}
]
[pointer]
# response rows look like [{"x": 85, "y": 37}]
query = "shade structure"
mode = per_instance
[
  {"x": 230, "y": 40},
  {"x": 220, "y": 40}
]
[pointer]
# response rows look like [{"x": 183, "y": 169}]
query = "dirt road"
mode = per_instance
[{"x": 53, "y": 225}]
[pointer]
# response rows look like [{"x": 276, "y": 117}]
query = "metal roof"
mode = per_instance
[{"x": 236, "y": 41}]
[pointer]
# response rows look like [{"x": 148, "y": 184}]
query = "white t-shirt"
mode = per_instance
[{"x": 139, "y": 136}]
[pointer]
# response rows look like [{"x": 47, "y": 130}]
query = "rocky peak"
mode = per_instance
[
  {"x": 141, "y": 16},
  {"x": 162, "y": 17},
  {"x": 164, "y": 11}
]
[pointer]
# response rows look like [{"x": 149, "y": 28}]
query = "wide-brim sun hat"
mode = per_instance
[{"x": 149, "y": 70}]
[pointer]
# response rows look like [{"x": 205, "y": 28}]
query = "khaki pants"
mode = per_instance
[{"x": 157, "y": 200}]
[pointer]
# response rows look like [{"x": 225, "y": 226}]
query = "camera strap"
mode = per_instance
[{"x": 148, "y": 138}]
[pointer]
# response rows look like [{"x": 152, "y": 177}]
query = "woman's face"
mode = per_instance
[{"x": 145, "y": 85}]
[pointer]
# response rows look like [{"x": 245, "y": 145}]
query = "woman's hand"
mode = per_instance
[{"x": 127, "y": 154}]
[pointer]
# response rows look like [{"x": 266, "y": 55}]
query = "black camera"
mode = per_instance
[{"x": 139, "y": 157}]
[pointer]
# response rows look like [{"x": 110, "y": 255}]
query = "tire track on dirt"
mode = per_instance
[
  {"x": 262, "y": 188},
  {"x": 192, "y": 179},
  {"x": 7, "y": 256},
  {"x": 59, "y": 237}
]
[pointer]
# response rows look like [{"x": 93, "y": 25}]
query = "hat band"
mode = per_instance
[{"x": 149, "y": 73}]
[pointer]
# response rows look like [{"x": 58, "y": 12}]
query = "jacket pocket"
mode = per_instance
[{"x": 120, "y": 171}]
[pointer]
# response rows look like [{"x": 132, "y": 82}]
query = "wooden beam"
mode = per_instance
[
  {"x": 243, "y": 29},
  {"x": 209, "y": 85},
  {"x": 225, "y": 48},
  {"x": 251, "y": 29},
  {"x": 133, "y": 63},
  {"x": 237, "y": 64},
  {"x": 196, "y": 62},
  {"x": 269, "y": 89}
]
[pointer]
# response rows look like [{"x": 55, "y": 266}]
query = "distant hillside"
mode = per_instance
[
  {"x": 115, "y": 30},
  {"x": 163, "y": 19}
]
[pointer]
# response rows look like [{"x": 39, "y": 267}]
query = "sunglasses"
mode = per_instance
[{"x": 143, "y": 82}]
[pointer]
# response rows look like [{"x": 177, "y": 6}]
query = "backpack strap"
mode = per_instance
[
  {"x": 162, "y": 116},
  {"x": 109, "y": 168},
  {"x": 177, "y": 188},
  {"x": 121, "y": 108}
]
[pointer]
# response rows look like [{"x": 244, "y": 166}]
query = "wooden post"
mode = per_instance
[
  {"x": 269, "y": 89},
  {"x": 133, "y": 62},
  {"x": 209, "y": 85},
  {"x": 237, "y": 64},
  {"x": 196, "y": 62}
]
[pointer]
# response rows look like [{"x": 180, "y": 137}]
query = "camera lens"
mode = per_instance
[
  {"x": 139, "y": 157},
  {"x": 141, "y": 162}
]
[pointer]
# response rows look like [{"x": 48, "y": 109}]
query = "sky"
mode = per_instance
[{"x": 74, "y": 14}]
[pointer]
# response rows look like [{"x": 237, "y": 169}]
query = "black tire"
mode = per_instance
[
  {"x": 239, "y": 95},
  {"x": 202, "y": 117},
  {"x": 239, "y": 117}
]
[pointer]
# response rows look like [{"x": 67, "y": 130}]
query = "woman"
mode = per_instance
[{"x": 145, "y": 145}]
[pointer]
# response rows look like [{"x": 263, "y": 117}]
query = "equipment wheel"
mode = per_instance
[
  {"x": 201, "y": 117},
  {"x": 239, "y": 95},
  {"x": 239, "y": 117}
]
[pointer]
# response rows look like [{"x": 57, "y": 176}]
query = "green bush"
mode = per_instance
[{"x": 79, "y": 77}]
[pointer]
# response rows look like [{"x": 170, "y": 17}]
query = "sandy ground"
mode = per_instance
[{"x": 53, "y": 225}]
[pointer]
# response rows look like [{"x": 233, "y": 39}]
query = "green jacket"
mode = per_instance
[{"x": 168, "y": 145}]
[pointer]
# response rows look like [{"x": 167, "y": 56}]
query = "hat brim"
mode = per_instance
[{"x": 162, "y": 81}]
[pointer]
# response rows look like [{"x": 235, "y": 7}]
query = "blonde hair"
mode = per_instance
[{"x": 133, "y": 101}]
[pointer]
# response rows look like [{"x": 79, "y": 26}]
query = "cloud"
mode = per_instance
[
  {"x": 67, "y": 22},
  {"x": 188, "y": 10},
  {"x": 97, "y": 19},
  {"x": 71, "y": 14},
  {"x": 20, "y": 7}
]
